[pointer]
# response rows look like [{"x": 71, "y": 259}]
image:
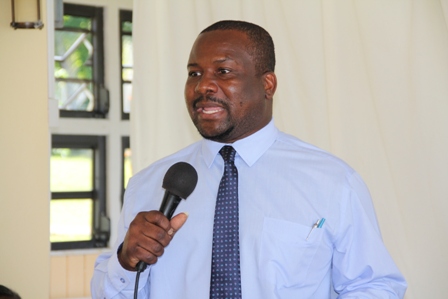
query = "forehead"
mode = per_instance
[{"x": 220, "y": 44}]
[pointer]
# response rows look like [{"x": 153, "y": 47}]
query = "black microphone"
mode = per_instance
[{"x": 179, "y": 182}]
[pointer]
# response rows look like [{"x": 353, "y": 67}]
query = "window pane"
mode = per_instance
[
  {"x": 71, "y": 220},
  {"x": 73, "y": 55},
  {"x": 128, "y": 74},
  {"x": 127, "y": 59},
  {"x": 79, "y": 60},
  {"x": 126, "y": 26},
  {"x": 127, "y": 167},
  {"x": 75, "y": 95},
  {"x": 71, "y": 169},
  {"x": 127, "y": 62},
  {"x": 77, "y": 22},
  {"x": 127, "y": 97}
]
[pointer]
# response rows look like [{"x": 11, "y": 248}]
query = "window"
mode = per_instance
[
  {"x": 78, "y": 186},
  {"x": 79, "y": 63},
  {"x": 126, "y": 62},
  {"x": 87, "y": 130}
]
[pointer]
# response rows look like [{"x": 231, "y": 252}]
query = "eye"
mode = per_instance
[
  {"x": 194, "y": 74},
  {"x": 223, "y": 71}
]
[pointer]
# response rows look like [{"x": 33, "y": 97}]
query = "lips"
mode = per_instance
[
  {"x": 210, "y": 106},
  {"x": 210, "y": 110}
]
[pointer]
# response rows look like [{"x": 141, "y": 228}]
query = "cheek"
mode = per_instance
[{"x": 188, "y": 93}]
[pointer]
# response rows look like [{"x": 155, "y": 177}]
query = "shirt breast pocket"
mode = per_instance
[{"x": 286, "y": 254}]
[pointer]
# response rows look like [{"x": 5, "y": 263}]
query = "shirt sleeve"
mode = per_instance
[
  {"x": 362, "y": 266},
  {"x": 110, "y": 280}
]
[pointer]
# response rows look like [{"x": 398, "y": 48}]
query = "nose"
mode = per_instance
[{"x": 206, "y": 84}]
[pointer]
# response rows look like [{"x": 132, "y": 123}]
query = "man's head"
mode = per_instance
[
  {"x": 231, "y": 80},
  {"x": 260, "y": 47}
]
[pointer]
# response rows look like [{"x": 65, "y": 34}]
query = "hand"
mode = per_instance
[{"x": 148, "y": 235}]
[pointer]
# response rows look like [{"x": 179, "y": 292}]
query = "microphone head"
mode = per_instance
[{"x": 180, "y": 179}]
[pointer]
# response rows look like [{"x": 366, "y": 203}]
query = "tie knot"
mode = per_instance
[{"x": 228, "y": 153}]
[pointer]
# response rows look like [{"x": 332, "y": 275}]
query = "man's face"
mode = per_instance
[{"x": 225, "y": 97}]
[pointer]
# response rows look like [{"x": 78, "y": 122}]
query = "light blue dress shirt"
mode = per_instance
[{"x": 285, "y": 187}]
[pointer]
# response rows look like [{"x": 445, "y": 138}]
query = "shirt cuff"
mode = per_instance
[{"x": 122, "y": 279}]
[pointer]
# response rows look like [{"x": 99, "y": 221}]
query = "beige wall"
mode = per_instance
[
  {"x": 70, "y": 274},
  {"x": 24, "y": 166}
]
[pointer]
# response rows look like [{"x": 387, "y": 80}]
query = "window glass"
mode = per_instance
[
  {"x": 127, "y": 167},
  {"x": 71, "y": 169},
  {"x": 126, "y": 164},
  {"x": 75, "y": 22},
  {"x": 127, "y": 96},
  {"x": 127, "y": 62},
  {"x": 71, "y": 220},
  {"x": 126, "y": 26},
  {"x": 75, "y": 95},
  {"x": 78, "y": 63},
  {"x": 128, "y": 74},
  {"x": 78, "y": 186},
  {"x": 73, "y": 55},
  {"x": 127, "y": 58}
]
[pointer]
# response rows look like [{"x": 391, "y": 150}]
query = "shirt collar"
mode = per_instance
[{"x": 250, "y": 149}]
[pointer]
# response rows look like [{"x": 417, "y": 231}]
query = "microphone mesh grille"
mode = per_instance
[{"x": 180, "y": 179}]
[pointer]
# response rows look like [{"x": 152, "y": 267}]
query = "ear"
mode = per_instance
[{"x": 270, "y": 84}]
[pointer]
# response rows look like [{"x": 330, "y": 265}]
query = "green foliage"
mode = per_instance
[
  {"x": 77, "y": 22},
  {"x": 126, "y": 26},
  {"x": 79, "y": 63}
]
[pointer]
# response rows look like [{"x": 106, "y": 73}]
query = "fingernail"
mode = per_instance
[{"x": 171, "y": 232}]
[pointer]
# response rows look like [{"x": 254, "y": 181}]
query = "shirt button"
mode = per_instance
[{"x": 122, "y": 280}]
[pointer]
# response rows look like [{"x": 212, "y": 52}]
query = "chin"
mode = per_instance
[{"x": 219, "y": 136}]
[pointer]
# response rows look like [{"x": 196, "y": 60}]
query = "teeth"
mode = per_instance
[{"x": 211, "y": 111}]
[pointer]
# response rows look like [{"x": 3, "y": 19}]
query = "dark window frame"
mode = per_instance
[
  {"x": 101, "y": 94},
  {"x": 125, "y": 16},
  {"x": 100, "y": 223}
]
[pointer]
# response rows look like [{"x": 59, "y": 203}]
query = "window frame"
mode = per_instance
[
  {"x": 100, "y": 222},
  {"x": 100, "y": 93}
]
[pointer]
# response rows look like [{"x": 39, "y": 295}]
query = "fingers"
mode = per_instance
[
  {"x": 177, "y": 222},
  {"x": 148, "y": 235}
]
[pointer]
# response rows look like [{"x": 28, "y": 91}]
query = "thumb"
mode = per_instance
[{"x": 177, "y": 222}]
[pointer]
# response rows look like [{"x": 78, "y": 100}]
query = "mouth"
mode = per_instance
[
  {"x": 210, "y": 110},
  {"x": 209, "y": 106}
]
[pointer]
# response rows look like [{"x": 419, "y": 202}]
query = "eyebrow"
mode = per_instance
[
  {"x": 191, "y": 64},
  {"x": 220, "y": 60}
]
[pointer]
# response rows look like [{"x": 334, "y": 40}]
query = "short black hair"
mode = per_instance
[
  {"x": 7, "y": 293},
  {"x": 261, "y": 46}
]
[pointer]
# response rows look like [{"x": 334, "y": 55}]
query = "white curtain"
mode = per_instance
[{"x": 364, "y": 79}]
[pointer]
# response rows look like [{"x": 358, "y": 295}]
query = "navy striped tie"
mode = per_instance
[{"x": 226, "y": 276}]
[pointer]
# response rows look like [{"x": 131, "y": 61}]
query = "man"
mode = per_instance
[{"x": 306, "y": 225}]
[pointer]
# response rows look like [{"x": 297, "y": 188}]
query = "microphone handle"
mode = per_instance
[
  {"x": 167, "y": 208},
  {"x": 169, "y": 204}
]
